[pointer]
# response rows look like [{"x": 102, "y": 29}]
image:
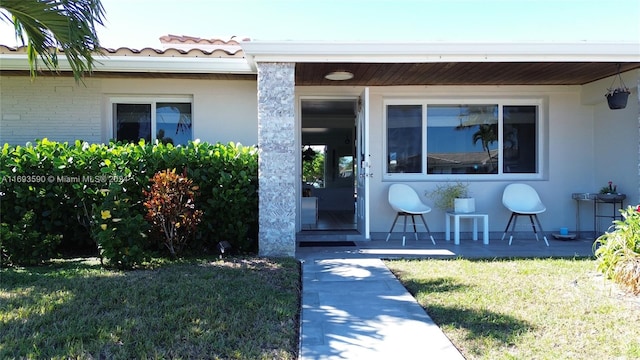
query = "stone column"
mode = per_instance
[{"x": 276, "y": 164}]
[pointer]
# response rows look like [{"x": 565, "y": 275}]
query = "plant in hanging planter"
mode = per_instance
[
  {"x": 618, "y": 90},
  {"x": 452, "y": 197},
  {"x": 617, "y": 96}
]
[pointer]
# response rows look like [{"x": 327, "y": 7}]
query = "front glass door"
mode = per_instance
[
  {"x": 328, "y": 164},
  {"x": 363, "y": 165}
]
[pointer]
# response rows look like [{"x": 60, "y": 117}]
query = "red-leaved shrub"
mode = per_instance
[{"x": 171, "y": 209}]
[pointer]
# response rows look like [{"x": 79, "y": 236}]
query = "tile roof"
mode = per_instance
[
  {"x": 231, "y": 46},
  {"x": 172, "y": 46},
  {"x": 175, "y": 39},
  {"x": 180, "y": 55},
  {"x": 176, "y": 52}
]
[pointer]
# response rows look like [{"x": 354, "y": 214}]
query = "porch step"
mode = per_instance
[{"x": 328, "y": 235}]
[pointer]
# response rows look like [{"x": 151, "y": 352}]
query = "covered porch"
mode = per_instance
[{"x": 577, "y": 136}]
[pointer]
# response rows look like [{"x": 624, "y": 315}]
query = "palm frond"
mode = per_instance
[{"x": 48, "y": 26}]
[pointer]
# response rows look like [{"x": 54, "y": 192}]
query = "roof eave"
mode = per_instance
[
  {"x": 145, "y": 64},
  {"x": 423, "y": 52}
]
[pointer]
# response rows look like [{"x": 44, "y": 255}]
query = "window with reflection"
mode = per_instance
[
  {"x": 473, "y": 139},
  {"x": 404, "y": 138},
  {"x": 166, "y": 122},
  {"x": 173, "y": 123},
  {"x": 519, "y": 147},
  {"x": 132, "y": 122},
  {"x": 462, "y": 139}
]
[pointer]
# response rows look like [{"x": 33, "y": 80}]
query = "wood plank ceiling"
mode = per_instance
[{"x": 377, "y": 74}]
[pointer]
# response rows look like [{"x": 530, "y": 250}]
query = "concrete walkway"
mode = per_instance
[
  {"x": 356, "y": 309},
  {"x": 353, "y": 307}
]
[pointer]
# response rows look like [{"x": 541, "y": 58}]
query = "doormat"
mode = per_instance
[{"x": 325, "y": 243}]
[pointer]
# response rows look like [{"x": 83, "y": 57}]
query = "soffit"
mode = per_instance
[
  {"x": 460, "y": 73},
  {"x": 389, "y": 64}
]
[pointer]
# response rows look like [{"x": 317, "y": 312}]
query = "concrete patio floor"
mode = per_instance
[{"x": 523, "y": 245}]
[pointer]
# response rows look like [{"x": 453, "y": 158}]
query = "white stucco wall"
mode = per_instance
[
  {"x": 616, "y": 141},
  {"x": 616, "y": 137},
  {"x": 61, "y": 110},
  {"x": 578, "y": 157}
]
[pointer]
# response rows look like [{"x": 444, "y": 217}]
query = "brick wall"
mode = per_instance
[{"x": 53, "y": 107}]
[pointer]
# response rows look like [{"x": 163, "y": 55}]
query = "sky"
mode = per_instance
[{"x": 140, "y": 23}]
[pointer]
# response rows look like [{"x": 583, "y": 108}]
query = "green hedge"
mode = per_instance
[
  {"x": 21, "y": 245},
  {"x": 62, "y": 184}
]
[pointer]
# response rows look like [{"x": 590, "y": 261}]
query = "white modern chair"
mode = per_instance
[
  {"x": 406, "y": 202},
  {"x": 522, "y": 199}
]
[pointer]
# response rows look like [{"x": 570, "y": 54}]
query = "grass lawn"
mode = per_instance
[
  {"x": 525, "y": 309},
  {"x": 244, "y": 308}
]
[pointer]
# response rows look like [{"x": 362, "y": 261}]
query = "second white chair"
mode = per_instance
[
  {"x": 406, "y": 202},
  {"x": 522, "y": 199}
]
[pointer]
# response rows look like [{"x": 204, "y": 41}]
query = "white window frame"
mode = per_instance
[
  {"x": 541, "y": 134},
  {"x": 146, "y": 100}
]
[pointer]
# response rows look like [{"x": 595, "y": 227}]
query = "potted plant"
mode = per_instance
[
  {"x": 617, "y": 97},
  {"x": 453, "y": 197},
  {"x": 610, "y": 193}
]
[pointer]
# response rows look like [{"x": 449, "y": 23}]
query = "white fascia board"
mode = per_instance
[
  {"x": 145, "y": 64},
  {"x": 410, "y": 52}
]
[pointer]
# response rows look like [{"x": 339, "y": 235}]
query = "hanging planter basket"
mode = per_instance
[
  {"x": 617, "y": 99},
  {"x": 617, "y": 96}
]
